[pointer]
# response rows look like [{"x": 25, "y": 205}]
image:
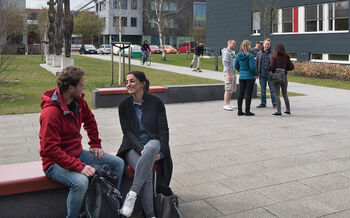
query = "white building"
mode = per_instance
[{"x": 132, "y": 20}]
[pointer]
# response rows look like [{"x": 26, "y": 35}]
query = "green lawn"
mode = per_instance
[
  {"x": 28, "y": 81},
  {"x": 320, "y": 82}
]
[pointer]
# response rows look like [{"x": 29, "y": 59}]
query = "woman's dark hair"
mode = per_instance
[
  {"x": 142, "y": 78},
  {"x": 144, "y": 41},
  {"x": 279, "y": 51}
]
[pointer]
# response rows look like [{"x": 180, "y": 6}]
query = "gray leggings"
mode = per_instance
[
  {"x": 278, "y": 86},
  {"x": 142, "y": 183}
]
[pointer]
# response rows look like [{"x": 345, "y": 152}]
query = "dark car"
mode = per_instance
[{"x": 88, "y": 49}]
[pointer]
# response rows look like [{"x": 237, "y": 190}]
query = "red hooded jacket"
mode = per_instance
[{"x": 60, "y": 138}]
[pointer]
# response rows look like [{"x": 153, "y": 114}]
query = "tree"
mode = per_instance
[
  {"x": 43, "y": 25},
  {"x": 269, "y": 13},
  {"x": 198, "y": 33},
  {"x": 88, "y": 25},
  {"x": 11, "y": 30},
  {"x": 158, "y": 13}
]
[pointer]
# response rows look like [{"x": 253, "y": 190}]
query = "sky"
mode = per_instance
[{"x": 74, "y": 4}]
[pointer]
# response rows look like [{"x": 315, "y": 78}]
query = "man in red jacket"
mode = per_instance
[{"x": 64, "y": 110}]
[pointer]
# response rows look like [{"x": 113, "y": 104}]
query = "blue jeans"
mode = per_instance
[
  {"x": 144, "y": 53},
  {"x": 78, "y": 183},
  {"x": 263, "y": 80}
]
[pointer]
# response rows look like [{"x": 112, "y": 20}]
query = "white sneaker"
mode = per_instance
[
  {"x": 227, "y": 107},
  {"x": 233, "y": 107},
  {"x": 128, "y": 206}
]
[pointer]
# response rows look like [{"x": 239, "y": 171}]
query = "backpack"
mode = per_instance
[{"x": 102, "y": 198}]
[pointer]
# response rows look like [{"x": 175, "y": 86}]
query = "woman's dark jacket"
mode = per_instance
[
  {"x": 155, "y": 123},
  {"x": 281, "y": 62}
]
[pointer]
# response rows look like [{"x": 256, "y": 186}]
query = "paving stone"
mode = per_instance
[
  {"x": 342, "y": 214},
  {"x": 255, "y": 213},
  {"x": 286, "y": 191},
  {"x": 203, "y": 191},
  {"x": 198, "y": 209},
  {"x": 242, "y": 170},
  {"x": 303, "y": 207},
  {"x": 237, "y": 202},
  {"x": 200, "y": 177},
  {"x": 290, "y": 174},
  {"x": 244, "y": 183},
  {"x": 338, "y": 199},
  {"x": 327, "y": 182}
]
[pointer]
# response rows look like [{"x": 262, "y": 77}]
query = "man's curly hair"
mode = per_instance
[{"x": 69, "y": 76}]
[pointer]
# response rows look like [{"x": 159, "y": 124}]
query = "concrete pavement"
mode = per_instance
[{"x": 230, "y": 166}]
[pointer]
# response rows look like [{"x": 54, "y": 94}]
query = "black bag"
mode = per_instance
[
  {"x": 166, "y": 204},
  {"x": 101, "y": 193},
  {"x": 277, "y": 76}
]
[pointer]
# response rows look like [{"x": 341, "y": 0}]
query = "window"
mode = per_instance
[
  {"x": 293, "y": 56},
  {"x": 115, "y": 4},
  {"x": 338, "y": 57},
  {"x": 153, "y": 5},
  {"x": 134, "y": 22},
  {"x": 166, "y": 6},
  {"x": 133, "y": 4},
  {"x": 199, "y": 14},
  {"x": 96, "y": 7},
  {"x": 274, "y": 21},
  {"x": 287, "y": 20},
  {"x": 153, "y": 23},
  {"x": 103, "y": 20},
  {"x": 256, "y": 23},
  {"x": 313, "y": 18},
  {"x": 170, "y": 23},
  {"x": 124, "y": 4},
  {"x": 316, "y": 56},
  {"x": 338, "y": 13},
  {"x": 124, "y": 21}
]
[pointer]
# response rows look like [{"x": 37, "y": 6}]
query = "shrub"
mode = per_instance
[{"x": 322, "y": 70}]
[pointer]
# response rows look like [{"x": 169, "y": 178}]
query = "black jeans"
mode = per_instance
[{"x": 246, "y": 87}]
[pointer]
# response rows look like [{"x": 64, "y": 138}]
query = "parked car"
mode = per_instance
[
  {"x": 185, "y": 47},
  {"x": 104, "y": 49},
  {"x": 170, "y": 49},
  {"x": 155, "y": 49},
  {"x": 87, "y": 49}
]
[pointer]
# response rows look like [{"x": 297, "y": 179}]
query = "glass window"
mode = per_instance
[
  {"x": 124, "y": 4},
  {"x": 153, "y": 23},
  {"x": 287, "y": 20},
  {"x": 166, "y": 6},
  {"x": 338, "y": 16},
  {"x": 199, "y": 14},
  {"x": 115, "y": 4},
  {"x": 338, "y": 57},
  {"x": 293, "y": 55},
  {"x": 153, "y": 6},
  {"x": 256, "y": 23},
  {"x": 313, "y": 18},
  {"x": 274, "y": 21},
  {"x": 316, "y": 56},
  {"x": 133, "y": 21},
  {"x": 96, "y": 7},
  {"x": 124, "y": 21},
  {"x": 133, "y": 4}
]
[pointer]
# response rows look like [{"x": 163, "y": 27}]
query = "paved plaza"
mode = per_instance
[{"x": 230, "y": 166}]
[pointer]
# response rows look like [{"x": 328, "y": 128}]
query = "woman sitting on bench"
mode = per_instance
[{"x": 146, "y": 140}]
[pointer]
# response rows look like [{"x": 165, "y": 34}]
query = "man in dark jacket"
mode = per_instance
[
  {"x": 197, "y": 54},
  {"x": 145, "y": 49},
  {"x": 263, "y": 65},
  {"x": 256, "y": 49},
  {"x": 64, "y": 110}
]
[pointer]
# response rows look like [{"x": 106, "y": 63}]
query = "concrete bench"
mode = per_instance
[
  {"x": 25, "y": 191},
  {"x": 111, "y": 97}
]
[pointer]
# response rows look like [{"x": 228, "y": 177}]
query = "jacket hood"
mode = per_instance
[
  {"x": 243, "y": 56},
  {"x": 54, "y": 98},
  {"x": 225, "y": 49}
]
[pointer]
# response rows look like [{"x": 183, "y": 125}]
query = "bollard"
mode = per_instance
[{"x": 216, "y": 61}]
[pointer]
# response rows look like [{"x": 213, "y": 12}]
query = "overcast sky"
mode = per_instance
[{"x": 74, "y": 4}]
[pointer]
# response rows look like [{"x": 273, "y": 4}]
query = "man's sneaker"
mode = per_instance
[
  {"x": 128, "y": 206},
  {"x": 233, "y": 107},
  {"x": 277, "y": 114},
  {"x": 227, "y": 107},
  {"x": 261, "y": 106}
]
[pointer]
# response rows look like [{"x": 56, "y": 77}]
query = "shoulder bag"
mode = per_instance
[{"x": 277, "y": 76}]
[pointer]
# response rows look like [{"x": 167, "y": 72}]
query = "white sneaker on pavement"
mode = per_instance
[
  {"x": 227, "y": 107},
  {"x": 233, "y": 107},
  {"x": 128, "y": 206}
]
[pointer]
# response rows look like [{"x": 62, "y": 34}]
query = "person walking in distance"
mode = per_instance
[
  {"x": 228, "y": 60},
  {"x": 197, "y": 55},
  {"x": 256, "y": 49},
  {"x": 245, "y": 64},
  {"x": 263, "y": 65},
  {"x": 281, "y": 60}
]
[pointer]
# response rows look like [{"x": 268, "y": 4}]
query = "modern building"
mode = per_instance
[
  {"x": 311, "y": 30},
  {"x": 131, "y": 18},
  {"x": 178, "y": 25}
]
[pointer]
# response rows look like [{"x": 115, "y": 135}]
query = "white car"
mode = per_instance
[{"x": 104, "y": 49}]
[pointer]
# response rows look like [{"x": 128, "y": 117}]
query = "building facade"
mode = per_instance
[
  {"x": 131, "y": 18},
  {"x": 311, "y": 30}
]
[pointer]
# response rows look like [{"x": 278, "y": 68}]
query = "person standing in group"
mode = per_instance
[
  {"x": 145, "y": 50},
  {"x": 245, "y": 64},
  {"x": 228, "y": 60},
  {"x": 281, "y": 60},
  {"x": 263, "y": 65},
  {"x": 64, "y": 160},
  {"x": 144, "y": 124},
  {"x": 197, "y": 54},
  {"x": 256, "y": 49}
]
